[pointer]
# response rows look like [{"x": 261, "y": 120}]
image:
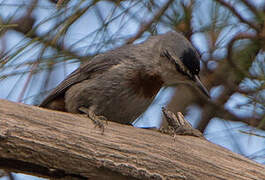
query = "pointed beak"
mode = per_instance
[{"x": 201, "y": 86}]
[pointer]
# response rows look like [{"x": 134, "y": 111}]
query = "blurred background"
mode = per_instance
[{"x": 42, "y": 41}]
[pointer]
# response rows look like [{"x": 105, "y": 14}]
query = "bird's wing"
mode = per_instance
[{"x": 95, "y": 65}]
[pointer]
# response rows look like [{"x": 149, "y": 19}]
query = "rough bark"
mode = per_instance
[{"x": 62, "y": 145}]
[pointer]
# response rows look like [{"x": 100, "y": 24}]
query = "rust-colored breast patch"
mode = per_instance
[{"x": 146, "y": 84}]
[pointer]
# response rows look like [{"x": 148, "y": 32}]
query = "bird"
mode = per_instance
[{"x": 120, "y": 84}]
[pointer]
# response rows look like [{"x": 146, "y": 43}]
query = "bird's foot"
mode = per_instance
[
  {"x": 181, "y": 131},
  {"x": 177, "y": 125},
  {"x": 97, "y": 120}
]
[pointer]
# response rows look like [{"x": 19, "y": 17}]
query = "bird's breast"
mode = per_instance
[{"x": 146, "y": 85}]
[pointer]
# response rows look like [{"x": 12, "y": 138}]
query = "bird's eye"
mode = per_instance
[{"x": 191, "y": 61}]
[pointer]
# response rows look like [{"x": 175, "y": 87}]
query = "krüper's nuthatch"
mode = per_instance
[{"x": 120, "y": 84}]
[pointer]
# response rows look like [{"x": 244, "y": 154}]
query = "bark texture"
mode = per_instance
[{"x": 62, "y": 145}]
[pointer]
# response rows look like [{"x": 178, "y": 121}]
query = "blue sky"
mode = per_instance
[{"x": 218, "y": 131}]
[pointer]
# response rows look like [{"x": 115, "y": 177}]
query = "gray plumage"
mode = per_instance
[{"x": 121, "y": 84}]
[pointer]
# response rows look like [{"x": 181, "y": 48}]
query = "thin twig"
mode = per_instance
[
  {"x": 230, "y": 49},
  {"x": 145, "y": 26},
  {"x": 251, "y": 7},
  {"x": 234, "y": 11}
]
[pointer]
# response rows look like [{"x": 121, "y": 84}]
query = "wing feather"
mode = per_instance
[{"x": 85, "y": 71}]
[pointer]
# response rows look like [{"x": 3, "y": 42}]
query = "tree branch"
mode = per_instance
[{"x": 63, "y": 145}]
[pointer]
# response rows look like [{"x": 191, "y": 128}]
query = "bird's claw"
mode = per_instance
[
  {"x": 97, "y": 120},
  {"x": 177, "y": 125}
]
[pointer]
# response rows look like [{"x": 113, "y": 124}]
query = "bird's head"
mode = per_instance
[{"x": 180, "y": 60}]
